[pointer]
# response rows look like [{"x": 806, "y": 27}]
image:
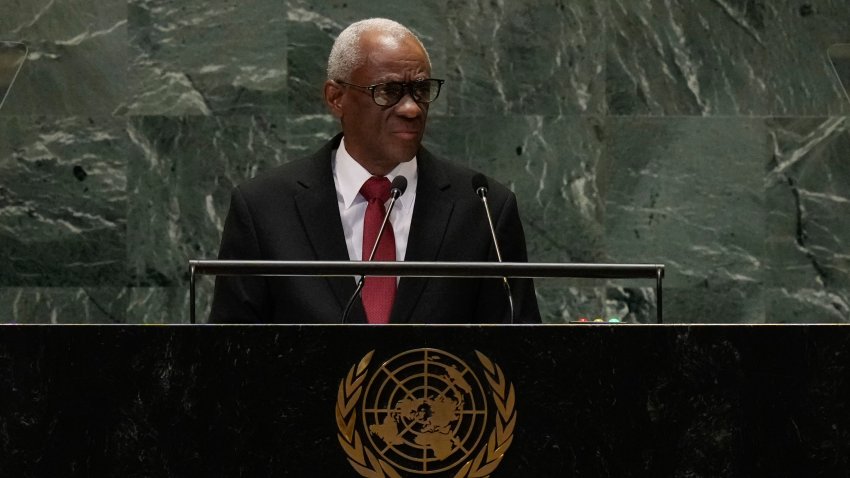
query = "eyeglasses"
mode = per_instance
[{"x": 388, "y": 94}]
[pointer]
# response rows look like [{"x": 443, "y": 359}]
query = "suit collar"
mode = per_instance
[
  {"x": 316, "y": 198},
  {"x": 431, "y": 215},
  {"x": 317, "y": 206}
]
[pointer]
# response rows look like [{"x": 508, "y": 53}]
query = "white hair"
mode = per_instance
[{"x": 347, "y": 54}]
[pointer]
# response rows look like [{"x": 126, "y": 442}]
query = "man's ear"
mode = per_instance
[{"x": 333, "y": 97}]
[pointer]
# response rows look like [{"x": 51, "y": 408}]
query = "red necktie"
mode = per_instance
[{"x": 378, "y": 292}]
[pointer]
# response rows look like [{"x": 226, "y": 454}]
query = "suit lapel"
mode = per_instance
[
  {"x": 318, "y": 211},
  {"x": 431, "y": 215}
]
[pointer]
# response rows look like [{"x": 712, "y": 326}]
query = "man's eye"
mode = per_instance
[
  {"x": 423, "y": 89},
  {"x": 390, "y": 89}
]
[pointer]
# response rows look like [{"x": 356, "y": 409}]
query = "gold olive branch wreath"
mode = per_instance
[{"x": 369, "y": 466}]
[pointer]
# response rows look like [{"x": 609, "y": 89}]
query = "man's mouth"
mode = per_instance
[{"x": 407, "y": 134}]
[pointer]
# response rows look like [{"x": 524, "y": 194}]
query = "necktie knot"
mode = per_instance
[{"x": 376, "y": 188}]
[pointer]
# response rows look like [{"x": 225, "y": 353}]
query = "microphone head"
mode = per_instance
[
  {"x": 480, "y": 185},
  {"x": 398, "y": 186}
]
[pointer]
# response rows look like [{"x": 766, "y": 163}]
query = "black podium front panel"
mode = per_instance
[{"x": 348, "y": 401}]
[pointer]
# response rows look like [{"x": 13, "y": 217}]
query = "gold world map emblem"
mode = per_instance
[{"x": 425, "y": 412}]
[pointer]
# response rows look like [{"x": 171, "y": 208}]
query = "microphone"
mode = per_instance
[
  {"x": 481, "y": 188},
  {"x": 397, "y": 188}
]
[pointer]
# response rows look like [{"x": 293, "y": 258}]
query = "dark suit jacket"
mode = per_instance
[{"x": 291, "y": 213}]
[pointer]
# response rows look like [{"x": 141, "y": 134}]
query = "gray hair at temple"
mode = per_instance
[{"x": 347, "y": 55}]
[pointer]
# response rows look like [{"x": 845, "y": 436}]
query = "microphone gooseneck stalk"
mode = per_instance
[
  {"x": 397, "y": 188},
  {"x": 479, "y": 184}
]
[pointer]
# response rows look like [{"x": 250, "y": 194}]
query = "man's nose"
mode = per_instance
[{"x": 408, "y": 107}]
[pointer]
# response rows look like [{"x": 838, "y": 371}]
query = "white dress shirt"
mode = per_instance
[{"x": 349, "y": 177}]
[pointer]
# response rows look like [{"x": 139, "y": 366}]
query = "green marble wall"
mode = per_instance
[{"x": 709, "y": 136}]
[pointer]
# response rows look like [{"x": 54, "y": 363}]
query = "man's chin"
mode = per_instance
[{"x": 403, "y": 148}]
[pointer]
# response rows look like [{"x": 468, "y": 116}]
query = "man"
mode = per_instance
[{"x": 330, "y": 205}]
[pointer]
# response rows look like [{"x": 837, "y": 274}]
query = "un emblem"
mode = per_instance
[{"x": 425, "y": 412}]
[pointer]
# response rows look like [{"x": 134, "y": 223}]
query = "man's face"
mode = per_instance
[{"x": 381, "y": 137}]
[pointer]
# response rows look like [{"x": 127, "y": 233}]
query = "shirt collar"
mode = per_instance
[{"x": 350, "y": 176}]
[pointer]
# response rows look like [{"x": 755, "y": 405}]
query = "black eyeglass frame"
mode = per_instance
[{"x": 407, "y": 87}]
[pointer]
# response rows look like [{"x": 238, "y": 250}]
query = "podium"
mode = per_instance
[{"x": 564, "y": 400}]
